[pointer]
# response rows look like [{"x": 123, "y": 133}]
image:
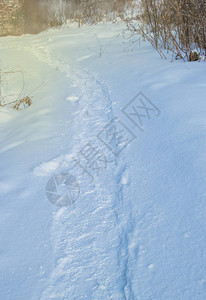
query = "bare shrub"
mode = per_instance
[
  {"x": 9, "y": 95},
  {"x": 175, "y": 25}
]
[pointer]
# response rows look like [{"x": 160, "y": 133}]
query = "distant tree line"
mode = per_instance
[{"x": 42, "y": 14}]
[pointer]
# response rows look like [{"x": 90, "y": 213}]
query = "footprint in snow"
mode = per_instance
[{"x": 125, "y": 180}]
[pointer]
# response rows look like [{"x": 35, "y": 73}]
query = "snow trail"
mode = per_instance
[
  {"x": 137, "y": 230},
  {"x": 85, "y": 267}
]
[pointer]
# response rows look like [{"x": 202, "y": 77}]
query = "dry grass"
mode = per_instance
[{"x": 24, "y": 102}]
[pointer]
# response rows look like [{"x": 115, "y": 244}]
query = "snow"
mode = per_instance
[{"x": 137, "y": 229}]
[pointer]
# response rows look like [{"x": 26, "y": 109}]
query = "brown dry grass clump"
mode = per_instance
[{"x": 26, "y": 101}]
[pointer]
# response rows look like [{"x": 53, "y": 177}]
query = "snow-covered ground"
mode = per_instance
[{"x": 136, "y": 229}]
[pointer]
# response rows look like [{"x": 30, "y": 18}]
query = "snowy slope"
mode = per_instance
[{"x": 137, "y": 228}]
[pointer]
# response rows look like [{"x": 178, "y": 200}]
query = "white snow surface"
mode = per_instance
[{"x": 138, "y": 230}]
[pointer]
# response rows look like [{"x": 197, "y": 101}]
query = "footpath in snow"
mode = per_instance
[{"x": 130, "y": 128}]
